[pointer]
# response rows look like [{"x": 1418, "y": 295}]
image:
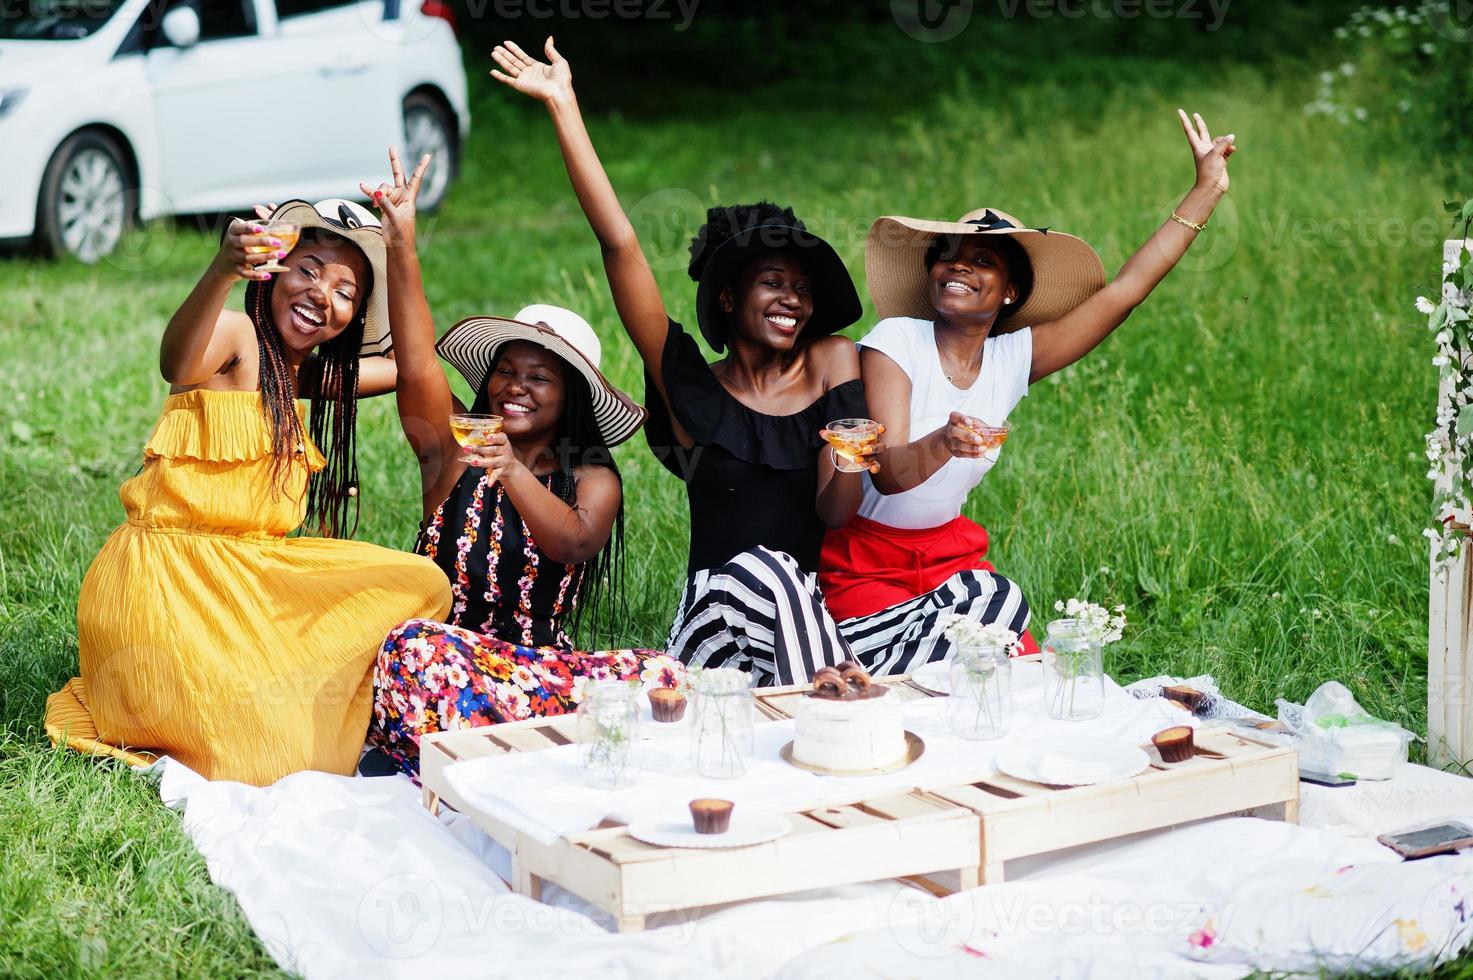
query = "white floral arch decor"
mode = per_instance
[{"x": 1450, "y": 443}]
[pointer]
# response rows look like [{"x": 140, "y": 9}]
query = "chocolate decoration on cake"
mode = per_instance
[
  {"x": 846, "y": 682},
  {"x": 829, "y": 683}
]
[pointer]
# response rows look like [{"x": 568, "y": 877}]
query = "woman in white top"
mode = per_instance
[{"x": 975, "y": 311}]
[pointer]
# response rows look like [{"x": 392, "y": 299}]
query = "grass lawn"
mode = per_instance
[{"x": 1241, "y": 465}]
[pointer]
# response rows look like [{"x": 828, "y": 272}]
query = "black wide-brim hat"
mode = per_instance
[{"x": 835, "y": 300}]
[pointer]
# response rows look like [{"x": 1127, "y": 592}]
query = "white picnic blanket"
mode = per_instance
[
  {"x": 545, "y": 795},
  {"x": 347, "y": 877}
]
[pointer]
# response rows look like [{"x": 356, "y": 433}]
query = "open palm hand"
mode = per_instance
[{"x": 545, "y": 82}]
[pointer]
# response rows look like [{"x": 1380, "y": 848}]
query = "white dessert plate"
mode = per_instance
[
  {"x": 936, "y": 676},
  {"x": 747, "y": 828},
  {"x": 914, "y": 747},
  {"x": 1069, "y": 760}
]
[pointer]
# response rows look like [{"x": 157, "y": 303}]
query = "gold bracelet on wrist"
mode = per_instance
[{"x": 1190, "y": 224}]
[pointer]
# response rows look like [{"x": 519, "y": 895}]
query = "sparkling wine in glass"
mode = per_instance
[
  {"x": 474, "y": 431},
  {"x": 849, "y": 437},
  {"x": 288, "y": 232}
]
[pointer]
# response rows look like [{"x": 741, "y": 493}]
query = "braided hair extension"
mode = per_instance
[
  {"x": 329, "y": 379},
  {"x": 600, "y": 599}
]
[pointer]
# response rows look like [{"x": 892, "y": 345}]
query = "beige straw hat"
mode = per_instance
[
  {"x": 1066, "y": 271},
  {"x": 338, "y": 218}
]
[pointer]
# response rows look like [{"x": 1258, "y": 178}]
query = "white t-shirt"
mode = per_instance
[{"x": 1003, "y": 381}]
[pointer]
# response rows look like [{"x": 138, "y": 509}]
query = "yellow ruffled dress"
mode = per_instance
[{"x": 207, "y": 634}]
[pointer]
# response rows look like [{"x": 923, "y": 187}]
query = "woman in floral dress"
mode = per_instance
[{"x": 528, "y": 528}]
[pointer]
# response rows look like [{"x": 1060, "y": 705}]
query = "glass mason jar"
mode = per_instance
[
  {"x": 1073, "y": 672},
  {"x": 724, "y": 731},
  {"x": 608, "y": 732},
  {"x": 981, "y": 691}
]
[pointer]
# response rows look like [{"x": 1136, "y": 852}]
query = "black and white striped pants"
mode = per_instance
[{"x": 763, "y": 613}]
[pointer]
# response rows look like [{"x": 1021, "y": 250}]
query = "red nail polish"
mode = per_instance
[{"x": 268, "y": 275}]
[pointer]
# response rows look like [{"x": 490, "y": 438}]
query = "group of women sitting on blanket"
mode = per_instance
[{"x": 210, "y": 633}]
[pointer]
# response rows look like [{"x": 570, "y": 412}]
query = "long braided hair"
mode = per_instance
[
  {"x": 599, "y": 600},
  {"x": 329, "y": 379}
]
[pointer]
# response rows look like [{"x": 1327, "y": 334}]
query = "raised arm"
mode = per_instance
[
  {"x": 203, "y": 339},
  {"x": 636, "y": 295},
  {"x": 1060, "y": 343},
  {"x": 423, "y": 392}
]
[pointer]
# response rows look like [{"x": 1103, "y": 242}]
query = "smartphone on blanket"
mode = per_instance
[{"x": 1442, "y": 837}]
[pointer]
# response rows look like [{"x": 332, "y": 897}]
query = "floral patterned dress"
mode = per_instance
[{"x": 504, "y": 655}]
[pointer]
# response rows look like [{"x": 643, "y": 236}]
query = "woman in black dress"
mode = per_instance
[{"x": 744, "y": 433}]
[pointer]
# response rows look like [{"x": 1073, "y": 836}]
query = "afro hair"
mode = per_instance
[{"x": 725, "y": 223}]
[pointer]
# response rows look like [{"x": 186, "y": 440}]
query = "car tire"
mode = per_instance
[
  {"x": 429, "y": 127},
  {"x": 88, "y": 198}
]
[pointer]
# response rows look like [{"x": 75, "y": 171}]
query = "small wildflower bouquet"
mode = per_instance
[
  {"x": 963, "y": 631},
  {"x": 1105, "y": 625},
  {"x": 980, "y": 676},
  {"x": 1450, "y": 462}
]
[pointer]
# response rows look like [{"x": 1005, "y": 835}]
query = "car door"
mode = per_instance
[
  {"x": 261, "y": 110},
  {"x": 212, "y": 103}
]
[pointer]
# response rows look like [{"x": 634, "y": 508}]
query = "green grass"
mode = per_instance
[{"x": 1240, "y": 465}]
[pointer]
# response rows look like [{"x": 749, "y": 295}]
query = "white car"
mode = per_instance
[{"x": 116, "y": 110}]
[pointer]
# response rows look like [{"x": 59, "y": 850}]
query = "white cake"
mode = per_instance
[{"x": 845, "y": 736}]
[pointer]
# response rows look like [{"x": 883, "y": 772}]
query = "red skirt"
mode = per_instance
[{"x": 867, "y": 566}]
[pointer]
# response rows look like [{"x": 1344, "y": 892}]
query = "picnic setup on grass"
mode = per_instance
[
  {"x": 991, "y": 813},
  {"x": 860, "y": 749}
]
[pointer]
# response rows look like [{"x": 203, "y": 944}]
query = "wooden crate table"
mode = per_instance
[
  {"x": 1229, "y": 775},
  {"x": 973, "y": 828},
  {"x": 867, "y": 839}
]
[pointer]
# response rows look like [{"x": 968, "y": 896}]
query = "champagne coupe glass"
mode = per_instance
[
  {"x": 288, "y": 232},
  {"x": 474, "y": 431},
  {"x": 849, "y": 437}
]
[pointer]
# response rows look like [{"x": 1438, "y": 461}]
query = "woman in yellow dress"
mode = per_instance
[{"x": 206, "y": 633}]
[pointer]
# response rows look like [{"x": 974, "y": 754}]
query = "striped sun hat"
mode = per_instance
[{"x": 472, "y": 344}]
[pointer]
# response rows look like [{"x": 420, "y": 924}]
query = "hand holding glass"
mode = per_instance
[
  {"x": 287, "y": 232},
  {"x": 993, "y": 436},
  {"x": 474, "y": 431},
  {"x": 849, "y": 438}
]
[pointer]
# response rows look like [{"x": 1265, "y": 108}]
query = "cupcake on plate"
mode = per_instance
[{"x": 711, "y": 816}]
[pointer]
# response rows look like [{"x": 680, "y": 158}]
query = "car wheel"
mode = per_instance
[
  {"x": 87, "y": 198},
  {"x": 430, "y": 128}
]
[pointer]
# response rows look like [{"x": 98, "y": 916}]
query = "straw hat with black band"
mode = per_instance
[
  {"x": 835, "y": 301},
  {"x": 473, "y": 343},
  {"x": 336, "y": 217},
  {"x": 1065, "y": 270}
]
